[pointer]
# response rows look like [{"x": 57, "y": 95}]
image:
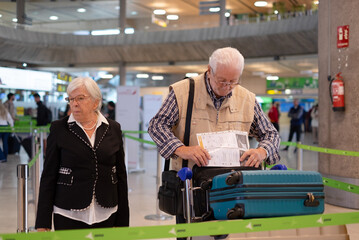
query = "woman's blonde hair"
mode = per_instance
[{"x": 3, "y": 111}]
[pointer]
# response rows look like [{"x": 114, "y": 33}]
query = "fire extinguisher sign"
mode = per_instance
[{"x": 343, "y": 36}]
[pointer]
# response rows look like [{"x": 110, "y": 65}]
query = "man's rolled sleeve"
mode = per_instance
[
  {"x": 265, "y": 133},
  {"x": 160, "y": 127}
]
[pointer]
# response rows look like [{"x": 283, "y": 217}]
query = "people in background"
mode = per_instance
[
  {"x": 5, "y": 121},
  {"x": 315, "y": 123},
  {"x": 67, "y": 110},
  {"x": 84, "y": 179},
  {"x": 219, "y": 104},
  {"x": 274, "y": 115},
  {"x": 9, "y": 105},
  {"x": 111, "y": 114},
  {"x": 42, "y": 113},
  {"x": 296, "y": 118}
]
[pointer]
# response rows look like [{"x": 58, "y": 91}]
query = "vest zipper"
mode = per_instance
[{"x": 217, "y": 117}]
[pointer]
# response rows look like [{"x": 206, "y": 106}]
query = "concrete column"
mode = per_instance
[
  {"x": 339, "y": 130},
  {"x": 20, "y": 11},
  {"x": 222, "y": 12},
  {"x": 122, "y": 70},
  {"x": 122, "y": 18}
]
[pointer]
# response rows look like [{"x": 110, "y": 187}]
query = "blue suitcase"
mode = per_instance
[{"x": 253, "y": 194}]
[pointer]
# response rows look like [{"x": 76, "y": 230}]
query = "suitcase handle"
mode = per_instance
[
  {"x": 234, "y": 178},
  {"x": 311, "y": 201}
]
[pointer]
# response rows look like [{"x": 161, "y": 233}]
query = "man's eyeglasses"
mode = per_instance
[
  {"x": 78, "y": 99},
  {"x": 226, "y": 84}
]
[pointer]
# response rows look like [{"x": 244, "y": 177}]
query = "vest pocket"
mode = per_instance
[{"x": 65, "y": 176}]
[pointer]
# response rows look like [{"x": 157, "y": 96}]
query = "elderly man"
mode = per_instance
[{"x": 220, "y": 104}]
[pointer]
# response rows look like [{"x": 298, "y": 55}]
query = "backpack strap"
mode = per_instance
[{"x": 187, "y": 130}]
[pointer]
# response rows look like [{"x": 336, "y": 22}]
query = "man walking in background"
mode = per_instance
[
  {"x": 42, "y": 117},
  {"x": 295, "y": 114}
]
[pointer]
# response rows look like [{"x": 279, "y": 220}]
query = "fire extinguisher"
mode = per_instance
[{"x": 336, "y": 91}]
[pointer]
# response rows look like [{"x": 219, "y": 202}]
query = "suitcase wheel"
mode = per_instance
[
  {"x": 206, "y": 185},
  {"x": 208, "y": 216},
  {"x": 235, "y": 213},
  {"x": 234, "y": 178}
]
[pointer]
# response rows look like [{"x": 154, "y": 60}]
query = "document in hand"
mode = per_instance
[{"x": 225, "y": 147}]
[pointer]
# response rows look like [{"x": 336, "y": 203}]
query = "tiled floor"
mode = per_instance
[{"x": 142, "y": 187}]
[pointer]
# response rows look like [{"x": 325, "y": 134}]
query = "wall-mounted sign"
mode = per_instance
[
  {"x": 160, "y": 22},
  {"x": 343, "y": 36},
  {"x": 64, "y": 77},
  {"x": 293, "y": 83},
  {"x": 25, "y": 79},
  {"x": 61, "y": 88}
]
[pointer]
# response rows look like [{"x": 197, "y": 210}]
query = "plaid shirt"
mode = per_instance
[{"x": 160, "y": 127}]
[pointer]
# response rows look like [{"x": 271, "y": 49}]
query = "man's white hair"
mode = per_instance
[
  {"x": 226, "y": 56},
  {"x": 90, "y": 85}
]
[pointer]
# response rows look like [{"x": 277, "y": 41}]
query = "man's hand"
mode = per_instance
[
  {"x": 254, "y": 157},
  {"x": 197, "y": 154}
]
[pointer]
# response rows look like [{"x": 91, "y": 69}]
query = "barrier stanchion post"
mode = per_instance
[
  {"x": 22, "y": 205},
  {"x": 33, "y": 168},
  {"x": 125, "y": 149},
  {"x": 38, "y": 166},
  {"x": 299, "y": 157},
  {"x": 158, "y": 216}
]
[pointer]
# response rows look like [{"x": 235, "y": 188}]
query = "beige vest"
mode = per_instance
[{"x": 236, "y": 112}]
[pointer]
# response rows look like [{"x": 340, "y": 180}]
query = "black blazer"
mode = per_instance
[{"x": 74, "y": 171}]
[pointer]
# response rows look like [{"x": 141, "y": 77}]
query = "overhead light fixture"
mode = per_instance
[
  {"x": 0, "y": 15},
  {"x": 129, "y": 30},
  {"x": 287, "y": 91},
  {"x": 14, "y": 19},
  {"x": 260, "y": 3},
  {"x": 81, "y": 10},
  {"x": 24, "y": 64},
  {"x": 272, "y": 78},
  {"x": 172, "y": 17},
  {"x": 157, "y": 78},
  {"x": 54, "y": 18},
  {"x": 134, "y": 13},
  {"x": 257, "y": 73},
  {"x": 142, "y": 75},
  {"x": 191, "y": 74},
  {"x": 81, "y": 32},
  {"x": 316, "y": 2},
  {"x": 276, "y": 12},
  {"x": 159, "y": 12},
  {"x": 107, "y": 76},
  {"x": 214, "y": 9},
  {"x": 105, "y": 32},
  {"x": 227, "y": 14},
  {"x": 117, "y": 7}
]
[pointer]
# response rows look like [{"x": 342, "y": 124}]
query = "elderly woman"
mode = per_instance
[{"x": 84, "y": 180}]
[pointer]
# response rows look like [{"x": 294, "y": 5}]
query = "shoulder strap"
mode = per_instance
[{"x": 187, "y": 130}]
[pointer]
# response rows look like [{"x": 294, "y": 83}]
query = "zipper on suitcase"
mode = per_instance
[{"x": 309, "y": 196}]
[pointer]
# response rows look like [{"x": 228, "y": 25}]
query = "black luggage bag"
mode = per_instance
[
  {"x": 201, "y": 177},
  {"x": 27, "y": 144},
  {"x": 13, "y": 144}
]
